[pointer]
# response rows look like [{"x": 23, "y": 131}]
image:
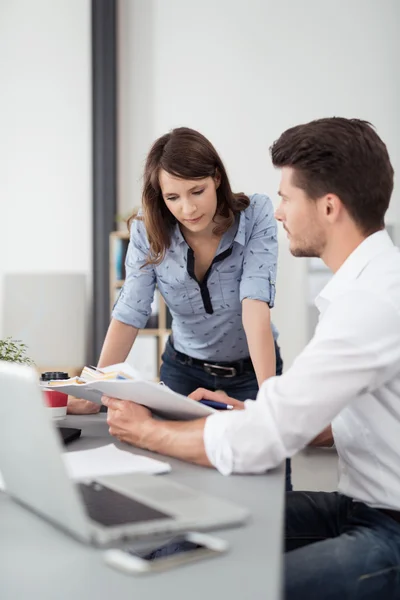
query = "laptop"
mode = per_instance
[{"x": 101, "y": 511}]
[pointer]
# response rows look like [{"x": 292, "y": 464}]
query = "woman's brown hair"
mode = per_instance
[{"x": 187, "y": 154}]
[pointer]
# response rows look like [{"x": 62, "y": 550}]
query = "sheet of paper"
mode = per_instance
[
  {"x": 158, "y": 398},
  {"x": 108, "y": 460}
]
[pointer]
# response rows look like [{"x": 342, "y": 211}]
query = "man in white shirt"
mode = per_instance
[{"x": 336, "y": 185}]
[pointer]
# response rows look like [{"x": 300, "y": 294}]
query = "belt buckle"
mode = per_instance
[{"x": 213, "y": 370}]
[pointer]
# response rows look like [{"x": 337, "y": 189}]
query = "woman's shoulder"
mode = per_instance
[
  {"x": 260, "y": 205},
  {"x": 137, "y": 230}
]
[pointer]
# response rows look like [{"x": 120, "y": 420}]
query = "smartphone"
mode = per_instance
[{"x": 181, "y": 549}]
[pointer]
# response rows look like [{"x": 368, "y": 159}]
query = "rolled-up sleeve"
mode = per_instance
[
  {"x": 261, "y": 255},
  {"x": 133, "y": 306}
]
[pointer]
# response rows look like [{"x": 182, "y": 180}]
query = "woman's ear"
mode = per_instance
[{"x": 217, "y": 179}]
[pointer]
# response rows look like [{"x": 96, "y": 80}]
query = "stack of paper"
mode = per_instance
[
  {"x": 158, "y": 398},
  {"x": 111, "y": 373}
]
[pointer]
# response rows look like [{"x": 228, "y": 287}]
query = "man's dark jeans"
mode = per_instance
[{"x": 337, "y": 549}]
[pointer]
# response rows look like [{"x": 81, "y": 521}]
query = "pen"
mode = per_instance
[{"x": 217, "y": 405}]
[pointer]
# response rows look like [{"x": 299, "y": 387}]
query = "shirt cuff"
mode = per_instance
[
  {"x": 129, "y": 316},
  {"x": 256, "y": 291},
  {"x": 217, "y": 448}
]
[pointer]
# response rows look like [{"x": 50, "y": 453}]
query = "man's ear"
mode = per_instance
[{"x": 332, "y": 206}]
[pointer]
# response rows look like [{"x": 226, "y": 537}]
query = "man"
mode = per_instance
[{"x": 335, "y": 188}]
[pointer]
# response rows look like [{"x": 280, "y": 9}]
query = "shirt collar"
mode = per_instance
[
  {"x": 240, "y": 236},
  {"x": 353, "y": 266},
  {"x": 237, "y": 233},
  {"x": 176, "y": 237}
]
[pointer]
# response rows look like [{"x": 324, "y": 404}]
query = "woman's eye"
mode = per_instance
[{"x": 197, "y": 193}]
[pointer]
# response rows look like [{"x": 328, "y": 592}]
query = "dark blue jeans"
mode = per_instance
[
  {"x": 337, "y": 549},
  {"x": 184, "y": 379}
]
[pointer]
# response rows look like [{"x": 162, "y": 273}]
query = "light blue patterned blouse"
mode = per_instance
[{"x": 207, "y": 317}]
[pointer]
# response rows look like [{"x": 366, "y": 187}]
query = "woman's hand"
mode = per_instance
[
  {"x": 203, "y": 394},
  {"x": 77, "y": 406}
]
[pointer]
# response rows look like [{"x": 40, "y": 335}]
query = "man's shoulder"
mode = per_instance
[
  {"x": 374, "y": 296},
  {"x": 381, "y": 277}
]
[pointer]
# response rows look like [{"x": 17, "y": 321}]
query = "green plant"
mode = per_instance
[{"x": 14, "y": 351}]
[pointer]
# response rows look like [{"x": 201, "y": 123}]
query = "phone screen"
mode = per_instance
[{"x": 175, "y": 546}]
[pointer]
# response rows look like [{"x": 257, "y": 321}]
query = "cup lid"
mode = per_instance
[{"x": 49, "y": 375}]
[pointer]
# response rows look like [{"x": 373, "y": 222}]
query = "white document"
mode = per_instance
[
  {"x": 158, "y": 398},
  {"x": 108, "y": 460}
]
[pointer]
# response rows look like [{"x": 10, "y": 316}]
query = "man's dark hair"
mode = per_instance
[{"x": 340, "y": 156}]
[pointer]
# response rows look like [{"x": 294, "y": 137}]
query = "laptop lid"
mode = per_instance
[{"x": 30, "y": 453}]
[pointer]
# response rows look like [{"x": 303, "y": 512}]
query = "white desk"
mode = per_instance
[{"x": 40, "y": 562}]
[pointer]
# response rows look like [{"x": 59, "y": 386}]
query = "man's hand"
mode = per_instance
[
  {"x": 133, "y": 423},
  {"x": 203, "y": 394},
  {"x": 77, "y": 406},
  {"x": 128, "y": 421}
]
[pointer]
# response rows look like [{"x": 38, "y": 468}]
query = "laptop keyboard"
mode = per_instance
[{"x": 111, "y": 508}]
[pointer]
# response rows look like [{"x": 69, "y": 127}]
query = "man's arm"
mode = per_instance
[
  {"x": 257, "y": 325},
  {"x": 178, "y": 439},
  {"x": 343, "y": 362}
]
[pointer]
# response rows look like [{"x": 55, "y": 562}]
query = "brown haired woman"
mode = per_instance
[{"x": 212, "y": 254}]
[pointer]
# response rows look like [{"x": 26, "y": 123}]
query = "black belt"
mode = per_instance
[
  {"x": 395, "y": 514},
  {"x": 219, "y": 369}
]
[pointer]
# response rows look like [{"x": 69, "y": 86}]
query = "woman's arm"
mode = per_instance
[
  {"x": 130, "y": 312},
  {"x": 257, "y": 325},
  {"x": 117, "y": 344},
  {"x": 257, "y": 286},
  {"x": 116, "y": 347}
]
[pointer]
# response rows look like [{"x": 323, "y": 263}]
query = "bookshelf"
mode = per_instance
[{"x": 149, "y": 345}]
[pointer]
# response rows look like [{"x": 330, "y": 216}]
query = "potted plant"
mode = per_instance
[{"x": 14, "y": 351}]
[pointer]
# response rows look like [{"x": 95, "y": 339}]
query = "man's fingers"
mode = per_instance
[
  {"x": 203, "y": 394},
  {"x": 112, "y": 403},
  {"x": 200, "y": 394}
]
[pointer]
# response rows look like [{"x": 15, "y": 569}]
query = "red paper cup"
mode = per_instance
[{"x": 57, "y": 402}]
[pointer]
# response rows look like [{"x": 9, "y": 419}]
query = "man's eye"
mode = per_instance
[{"x": 197, "y": 193}]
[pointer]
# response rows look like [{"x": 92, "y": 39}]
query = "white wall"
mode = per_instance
[
  {"x": 45, "y": 149},
  {"x": 241, "y": 73}
]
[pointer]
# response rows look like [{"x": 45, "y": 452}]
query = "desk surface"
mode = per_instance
[{"x": 39, "y": 561}]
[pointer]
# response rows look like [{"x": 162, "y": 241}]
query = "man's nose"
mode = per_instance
[{"x": 279, "y": 213}]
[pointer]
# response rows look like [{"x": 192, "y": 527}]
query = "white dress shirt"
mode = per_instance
[{"x": 348, "y": 375}]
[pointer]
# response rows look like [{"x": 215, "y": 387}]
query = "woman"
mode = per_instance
[{"x": 212, "y": 254}]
